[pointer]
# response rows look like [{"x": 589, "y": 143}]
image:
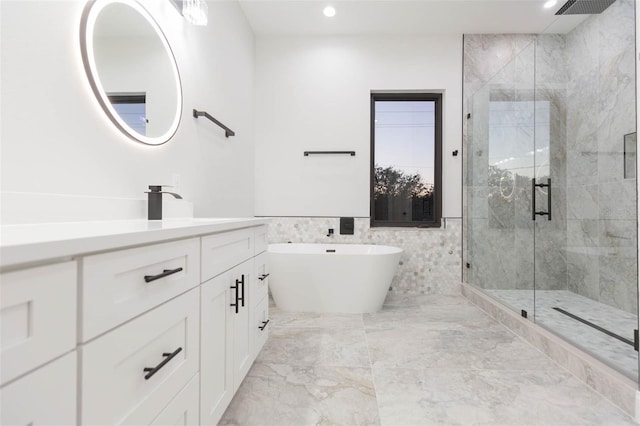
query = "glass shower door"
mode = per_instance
[
  {"x": 500, "y": 166},
  {"x": 585, "y": 252}
]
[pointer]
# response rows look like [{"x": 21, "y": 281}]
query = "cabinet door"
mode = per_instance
[
  {"x": 45, "y": 396},
  {"x": 243, "y": 356},
  {"x": 216, "y": 356},
  {"x": 38, "y": 317},
  {"x": 261, "y": 277},
  {"x": 183, "y": 409},
  {"x": 261, "y": 325}
]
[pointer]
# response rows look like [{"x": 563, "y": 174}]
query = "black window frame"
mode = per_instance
[{"x": 437, "y": 219}]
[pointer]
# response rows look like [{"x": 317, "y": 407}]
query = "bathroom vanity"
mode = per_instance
[{"x": 129, "y": 322}]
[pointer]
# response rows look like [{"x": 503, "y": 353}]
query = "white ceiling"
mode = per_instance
[{"x": 385, "y": 17}]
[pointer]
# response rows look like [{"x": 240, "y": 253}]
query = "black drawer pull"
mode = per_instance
[
  {"x": 165, "y": 273},
  {"x": 264, "y": 325},
  {"x": 263, "y": 276},
  {"x": 235, "y": 287},
  {"x": 167, "y": 357}
]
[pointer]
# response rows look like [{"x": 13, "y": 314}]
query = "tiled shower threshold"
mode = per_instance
[
  {"x": 612, "y": 351},
  {"x": 610, "y": 383}
]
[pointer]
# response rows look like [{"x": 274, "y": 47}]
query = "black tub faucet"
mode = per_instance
[{"x": 154, "y": 203}]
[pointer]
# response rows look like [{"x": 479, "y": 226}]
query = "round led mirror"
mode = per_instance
[{"x": 132, "y": 70}]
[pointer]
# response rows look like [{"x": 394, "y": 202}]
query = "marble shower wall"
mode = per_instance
[
  {"x": 601, "y": 216},
  {"x": 430, "y": 263},
  {"x": 584, "y": 105}
]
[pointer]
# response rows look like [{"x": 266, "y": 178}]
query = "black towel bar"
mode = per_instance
[
  {"x": 351, "y": 153},
  {"x": 227, "y": 131}
]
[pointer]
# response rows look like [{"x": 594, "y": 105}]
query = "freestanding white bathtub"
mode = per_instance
[{"x": 338, "y": 278}]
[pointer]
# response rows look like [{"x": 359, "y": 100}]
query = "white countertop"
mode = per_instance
[{"x": 20, "y": 244}]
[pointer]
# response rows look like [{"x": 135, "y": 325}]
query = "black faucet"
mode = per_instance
[{"x": 154, "y": 204}]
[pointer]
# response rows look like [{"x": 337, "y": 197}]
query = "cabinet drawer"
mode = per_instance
[
  {"x": 37, "y": 316},
  {"x": 261, "y": 277},
  {"x": 120, "y": 285},
  {"x": 221, "y": 252},
  {"x": 114, "y": 387},
  {"x": 46, "y": 396},
  {"x": 261, "y": 238},
  {"x": 183, "y": 409},
  {"x": 261, "y": 324}
]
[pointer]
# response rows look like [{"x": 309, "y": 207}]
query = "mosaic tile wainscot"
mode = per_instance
[{"x": 430, "y": 264}]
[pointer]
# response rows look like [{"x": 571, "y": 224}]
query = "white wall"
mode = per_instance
[
  {"x": 313, "y": 93},
  {"x": 55, "y": 139}
]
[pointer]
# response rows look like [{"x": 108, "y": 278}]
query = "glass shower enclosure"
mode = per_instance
[{"x": 550, "y": 187}]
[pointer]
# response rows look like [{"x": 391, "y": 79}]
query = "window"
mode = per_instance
[
  {"x": 406, "y": 159},
  {"x": 132, "y": 108}
]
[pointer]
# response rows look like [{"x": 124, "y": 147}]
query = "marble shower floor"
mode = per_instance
[
  {"x": 615, "y": 353},
  {"x": 422, "y": 360}
]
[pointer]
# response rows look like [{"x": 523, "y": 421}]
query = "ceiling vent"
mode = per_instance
[{"x": 584, "y": 7}]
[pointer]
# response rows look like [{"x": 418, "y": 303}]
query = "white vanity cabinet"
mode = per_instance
[
  {"x": 38, "y": 340},
  {"x": 46, "y": 396},
  {"x": 122, "y": 284},
  {"x": 216, "y": 348},
  {"x": 132, "y": 372},
  {"x": 160, "y": 329},
  {"x": 261, "y": 302},
  {"x": 227, "y": 321}
]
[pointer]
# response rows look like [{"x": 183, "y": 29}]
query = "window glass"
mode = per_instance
[{"x": 405, "y": 147}]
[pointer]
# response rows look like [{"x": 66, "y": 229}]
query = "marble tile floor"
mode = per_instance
[
  {"x": 421, "y": 360},
  {"x": 613, "y": 352}
]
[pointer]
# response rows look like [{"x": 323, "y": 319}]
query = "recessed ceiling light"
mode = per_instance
[
  {"x": 550, "y": 3},
  {"x": 329, "y": 12}
]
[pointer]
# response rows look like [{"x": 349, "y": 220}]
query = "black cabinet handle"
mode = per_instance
[
  {"x": 165, "y": 273},
  {"x": 167, "y": 357},
  {"x": 235, "y": 287},
  {"x": 263, "y": 276},
  {"x": 242, "y": 297},
  {"x": 264, "y": 325}
]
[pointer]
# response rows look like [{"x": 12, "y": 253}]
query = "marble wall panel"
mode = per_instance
[
  {"x": 583, "y": 272},
  {"x": 583, "y": 202},
  {"x": 618, "y": 280},
  {"x": 551, "y": 257},
  {"x": 524, "y": 253},
  {"x": 617, "y": 200},
  {"x": 583, "y": 234},
  {"x": 485, "y": 55},
  {"x": 601, "y": 92},
  {"x": 582, "y": 167},
  {"x": 616, "y": 84},
  {"x": 491, "y": 256},
  {"x": 477, "y": 202},
  {"x": 550, "y": 63}
]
